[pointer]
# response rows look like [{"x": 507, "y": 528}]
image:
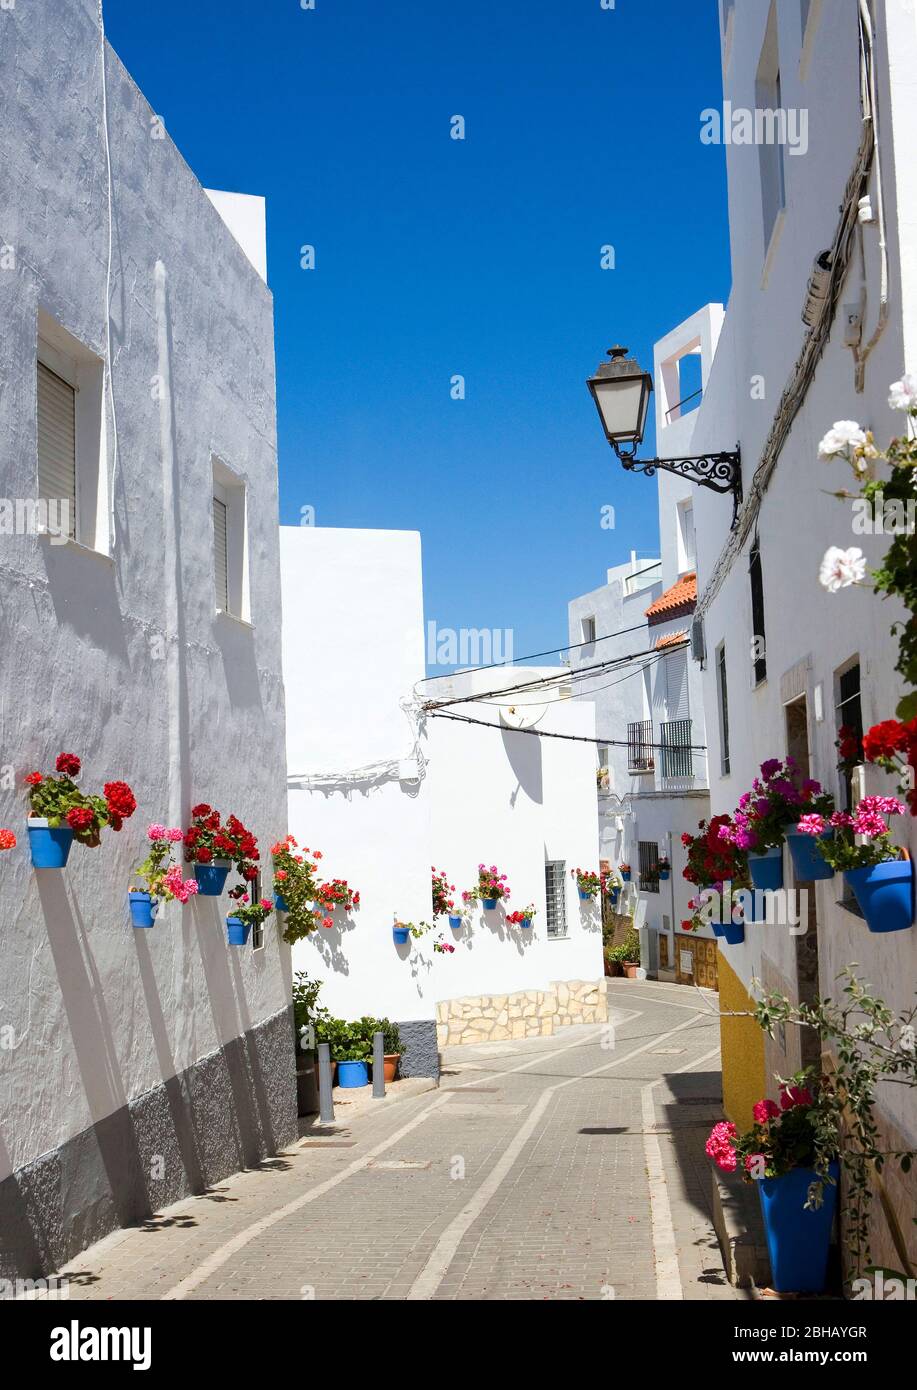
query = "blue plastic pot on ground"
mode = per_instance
[
  {"x": 143, "y": 909},
  {"x": 455, "y": 923},
  {"x": 807, "y": 861},
  {"x": 885, "y": 893},
  {"x": 49, "y": 848},
  {"x": 400, "y": 934},
  {"x": 237, "y": 931},
  {"x": 767, "y": 870},
  {"x": 797, "y": 1239},
  {"x": 211, "y": 878},
  {"x": 280, "y": 902},
  {"x": 489, "y": 904},
  {"x": 351, "y": 1074}
]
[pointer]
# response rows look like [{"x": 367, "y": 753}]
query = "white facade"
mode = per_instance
[
  {"x": 385, "y": 797},
  {"x": 814, "y": 640},
  {"x": 130, "y": 1044}
]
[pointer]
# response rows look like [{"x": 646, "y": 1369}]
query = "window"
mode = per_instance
[
  {"x": 768, "y": 100},
  {"x": 758, "y": 643},
  {"x": 57, "y": 446},
  {"x": 677, "y": 753},
  {"x": 555, "y": 886},
  {"x": 603, "y": 777},
  {"x": 254, "y": 893},
  {"x": 230, "y": 545},
  {"x": 71, "y": 472},
  {"x": 849, "y": 718},
  {"x": 648, "y": 851},
  {"x": 640, "y": 746},
  {"x": 588, "y": 626},
  {"x": 723, "y": 705},
  {"x": 686, "y": 555}
]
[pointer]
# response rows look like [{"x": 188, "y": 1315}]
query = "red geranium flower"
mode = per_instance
[
  {"x": 120, "y": 798},
  {"x": 69, "y": 764},
  {"x": 202, "y": 809},
  {"x": 34, "y": 778},
  {"x": 883, "y": 740},
  {"x": 204, "y": 855},
  {"x": 80, "y": 818},
  {"x": 7, "y": 839}
]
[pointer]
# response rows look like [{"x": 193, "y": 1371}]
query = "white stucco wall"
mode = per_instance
[
  {"x": 810, "y": 633},
  {"x": 122, "y": 658},
  {"x": 353, "y": 650}
]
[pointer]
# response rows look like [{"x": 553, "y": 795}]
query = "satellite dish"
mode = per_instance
[{"x": 522, "y": 716}]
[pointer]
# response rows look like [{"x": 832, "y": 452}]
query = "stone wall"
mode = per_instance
[{"x": 530, "y": 1013}]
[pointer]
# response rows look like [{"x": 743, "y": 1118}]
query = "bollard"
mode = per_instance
[
  {"x": 378, "y": 1067},
  {"x": 325, "y": 1103}
]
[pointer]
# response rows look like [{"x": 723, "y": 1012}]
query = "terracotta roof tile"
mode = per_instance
[
  {"x": 680, "y": 599},
  {"x": 672, "y": 639}
]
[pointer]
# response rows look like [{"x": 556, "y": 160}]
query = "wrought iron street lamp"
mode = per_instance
[{"x": 621, "y": 391}]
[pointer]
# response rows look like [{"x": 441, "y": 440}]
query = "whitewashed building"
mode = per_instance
[
  {"x": 387, "y": 792},
  {"x": 825, "y": 233},
  {"x": 137, "y": 1066}
]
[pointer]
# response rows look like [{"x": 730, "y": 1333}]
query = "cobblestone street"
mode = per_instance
[{"x": 568, "y": 1167}]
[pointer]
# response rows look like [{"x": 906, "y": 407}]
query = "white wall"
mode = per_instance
[
  {"x": 121, "y": 657},
  {"x": 353, "y": 650}
]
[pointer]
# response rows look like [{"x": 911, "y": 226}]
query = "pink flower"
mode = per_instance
[
  {"x": 755, "y": 1162},
  {"x": 765, "y": 1110},
  {"x": 721, "y": 1146},
  {"x": 175, "y": 836},
  {"x": 811, "y": 825},
  {"x": 791, "y": 1096},
  {"x": 180, "y": 888},
  {"x": 157, "y": 832}
]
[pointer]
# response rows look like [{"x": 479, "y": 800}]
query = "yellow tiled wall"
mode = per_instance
[{"x": 742, "y": 1045}]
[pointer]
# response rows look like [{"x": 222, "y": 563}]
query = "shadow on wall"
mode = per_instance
[
  {"x": 229, "y": 1110},
  {"x": 329, "y": 942},
  {"x": 523, "y": 752}
]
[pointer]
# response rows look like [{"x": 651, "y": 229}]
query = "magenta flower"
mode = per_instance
[
  {"x": 812, "y": 825},
  {"x": 765, "y": 1110}
]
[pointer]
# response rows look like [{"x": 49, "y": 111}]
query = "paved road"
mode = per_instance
[{"x": 567, "y": 1167}]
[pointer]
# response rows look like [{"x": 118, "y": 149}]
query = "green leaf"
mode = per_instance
[{"x": 907, "y": 707}]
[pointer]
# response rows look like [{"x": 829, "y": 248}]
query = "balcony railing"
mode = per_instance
[
  {"x": 677, "y": 754},
  {"x": 640, "y": 746}
]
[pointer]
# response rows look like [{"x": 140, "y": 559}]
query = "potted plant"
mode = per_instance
[
  {"x": 791, "y": 1151},
  {"x": 613, "y": 885},
  {"x": 630, "y": 953},
  {"x": 337, "y": 893},
  {"x": 624, "y": 870},
  {"x": 213, "y": 846},
  {"x": 613, "y": 966},
  {"x": 296, "y": 886},
  {"x": 588, "y": 883},
  {"x": 391, "y": 1046},
  {"x": 244, "y": 916},
  {"x": 777, "y": 801},
  {"x": 443, "y": 899},
  {"x": 523, "y": 917},
  {"x": 306, "y": 1015},
  {"x": 881, "y": 879},
  {"x": 402, "y": 930},
  {"x": 61, "y": 813},
  {"x": 663, "y": 868},
  {"x": 162, "y": 876},
  {"x": 351, "y": 1051},
  {"x": 491, "y": 888},
  {"x": 714, "y": 857}
]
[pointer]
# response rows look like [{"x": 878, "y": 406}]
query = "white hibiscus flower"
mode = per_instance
[
  {"x": 840, "y": 568},
  {"x": 902, "y": 395},
  {"x": 843, "y": 438}
]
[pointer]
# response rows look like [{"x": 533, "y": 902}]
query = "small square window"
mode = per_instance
[
  {"x": 588, "y": 625},
  {"x": 230, "y": 543},
  {"x": 555, "y": 883}
]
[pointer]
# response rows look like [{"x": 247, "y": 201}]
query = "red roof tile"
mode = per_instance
[
  {"x": 676, "y": 601},
  {"x": 671, "y": 639}
]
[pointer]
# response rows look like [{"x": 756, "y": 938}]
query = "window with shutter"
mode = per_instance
[
  {"x": 221, "y": 554},
  {"x": 555, "y": 883},
  {"x": 57, "y": 443}
]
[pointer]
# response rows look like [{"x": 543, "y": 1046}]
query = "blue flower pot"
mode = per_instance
[
  {"x": 401, "y": 934},
  {"x": 50, "y": 848},
  {"x": 613, "y": 895},
  {"x": 489, "y": 904},
  {"x": 143, "y": 909},
  {"x": 733, "y": 934},
  {"x": 351, "y": 1074},
  {"x": 280, "y": 903},
  {"x": 718, "y": 928},
  {"x": 885, "y": 893},
  {"x": 455, "y": 923},
  {"x": 807, "y": 861},
  {"x": 767, "y": 870},
  {"x": 626, "y": 876},
  {"x": 237, "y": 932},
  {"x": 797, "y": 1239},
  {"x": 664, "y": 874},
  {"x": 526, "y": 923},
  {"x": 211, "y": 878},
  {"x": 585, "y": 897}
]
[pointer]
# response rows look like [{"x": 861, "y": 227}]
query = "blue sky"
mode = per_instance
[{"x": 437, "y": 257}]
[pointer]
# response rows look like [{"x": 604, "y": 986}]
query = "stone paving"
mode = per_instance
[{"x": 549, "y": 1168}]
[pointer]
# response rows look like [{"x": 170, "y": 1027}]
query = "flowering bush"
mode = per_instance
[
  {"x": 337, "y": 893},
  {"x": 793, "y": 1134},
  {"x": 162, "y": 875},
  {"x": 491, "y": 884},
  {"x": 61, "y": 802},
  {"x": 7, "y": 839},
  {"x": 296, "y": 881},
  {"x": 208, "y": 838},
  {"x": 713, "y": 857},
  {"x": 588, "y": 882},
  {"x": 868, "y": 818},
  {"x": 443, "y": 903},
  {"x": 777, "y": 800},
  {"x": 521, "y": 915}
]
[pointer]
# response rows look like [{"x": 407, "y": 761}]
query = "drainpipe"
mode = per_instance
[{"x": 672, "y": 899}]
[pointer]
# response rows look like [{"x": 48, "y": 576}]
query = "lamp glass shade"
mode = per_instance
[{"x": 622, "y": 403}]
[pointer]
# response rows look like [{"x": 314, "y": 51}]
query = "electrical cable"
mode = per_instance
[
  {"x": 552, "y": 651},
  {"x": 570, "y": 738}
]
